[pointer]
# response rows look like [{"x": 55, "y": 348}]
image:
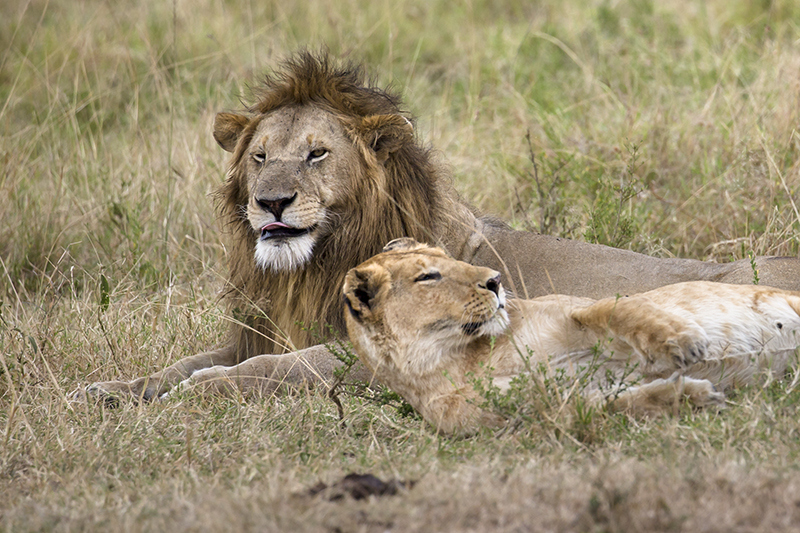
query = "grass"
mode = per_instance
[{"x": 111, "y": 261}]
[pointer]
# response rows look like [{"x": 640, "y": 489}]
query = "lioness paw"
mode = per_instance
[
  {"x": 673, "y": 349},
  {"x": 687, "y": 347},
  {"x": 702, "y": 394}
]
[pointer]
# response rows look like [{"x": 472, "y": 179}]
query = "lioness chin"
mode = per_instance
[{"x": 427, "y": 325}]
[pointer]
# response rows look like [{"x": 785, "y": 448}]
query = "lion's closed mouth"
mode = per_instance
[{"x": 279, "y": 229}]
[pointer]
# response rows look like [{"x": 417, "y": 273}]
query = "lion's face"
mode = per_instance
[
  {"x": 296, "y": 166},
  {"x": 413, "y": 295},
  {"x": 301, "y": 167}
]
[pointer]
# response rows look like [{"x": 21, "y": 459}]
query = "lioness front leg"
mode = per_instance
[
  {"x": 263, "y": 375},
  {"x": 153, "y": 386},
  {"x": 663, "y": 396},
  {"x": 664, "y": 339}
]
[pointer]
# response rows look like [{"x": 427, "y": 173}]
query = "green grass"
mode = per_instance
[{"x": 106, "y": 164}]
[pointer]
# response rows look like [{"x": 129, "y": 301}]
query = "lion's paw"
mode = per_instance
[
  {"x": 213, "y": 379},
  {"x": 111, "y": 393},
  {"x": 108, "y": 393}
]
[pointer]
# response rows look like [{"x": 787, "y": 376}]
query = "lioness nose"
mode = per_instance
[
  {"x": 276, "y": 205},
  {"x": 493, "y": 284}
]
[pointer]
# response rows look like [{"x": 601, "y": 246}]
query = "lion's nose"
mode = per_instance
[
  {"x": 492, "y": 284},
  {"x": 275, "y": 205}
]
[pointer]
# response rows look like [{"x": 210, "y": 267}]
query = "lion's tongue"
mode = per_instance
[{"x": 273, "y": 226}]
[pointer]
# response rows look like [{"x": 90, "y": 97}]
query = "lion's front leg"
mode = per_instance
[
  {"x": 265, "y": 375},
  {"x": 153, "y": 386},
  {"x": 665, "y": 340}
]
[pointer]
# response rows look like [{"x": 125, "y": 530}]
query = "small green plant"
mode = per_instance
[
  {"x": 553, "y": 205},
  {"x": 104, "y": 299},
  {"x": 754, "y": 267},
  {"x": 547, "y": 400},
  {"x": 342, "y": 384},
  {"x": 610, "y": 223}
]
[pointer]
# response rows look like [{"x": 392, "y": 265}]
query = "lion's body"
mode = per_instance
[
  {"x": 429, "y": 338},
  {"x": 324, "y": 171}
]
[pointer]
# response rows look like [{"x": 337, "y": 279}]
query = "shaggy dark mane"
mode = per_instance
[
  {"x": 407, "y": 199},
  {"x": 315, "y": 79}
]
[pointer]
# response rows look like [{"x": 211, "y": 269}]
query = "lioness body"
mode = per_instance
[
  {"x": 324, "y": 171},
  {"x": 427, "y": 326}
]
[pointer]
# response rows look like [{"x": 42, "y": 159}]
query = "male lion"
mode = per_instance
[
  {"x": 324, "y": 171},
  {"x": 427, "y": 325}
]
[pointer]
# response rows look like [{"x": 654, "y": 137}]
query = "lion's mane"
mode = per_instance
[{"x": 404, "y": 196}]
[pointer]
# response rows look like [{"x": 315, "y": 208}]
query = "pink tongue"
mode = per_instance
[{"x": 274, "y": 226}]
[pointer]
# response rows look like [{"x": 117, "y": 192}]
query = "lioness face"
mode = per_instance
[{"x": 424, "y": 296}]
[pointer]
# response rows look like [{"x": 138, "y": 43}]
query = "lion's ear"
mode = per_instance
[
  {"x": 362, "y": 289},
  {"x": 386, "y": 134},
  {"x": 227, "y": 129}
]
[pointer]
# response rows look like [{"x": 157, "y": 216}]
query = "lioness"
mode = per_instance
[
  {"x": 325, "y": 170},
  {"x": 426, "y": 324}
]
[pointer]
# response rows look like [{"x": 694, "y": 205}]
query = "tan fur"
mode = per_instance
[
  {"x": 376, "y": 183},
  {"x": 684, "y": 339}
]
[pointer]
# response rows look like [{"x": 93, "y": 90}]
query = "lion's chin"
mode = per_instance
[{"x": 284, "y": 254}]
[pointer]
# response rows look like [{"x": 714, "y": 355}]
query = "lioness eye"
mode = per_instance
[
  {"x": 317, "y": 155},
  {"x": 428, "y": 276},
  {"x": 259, "y": 157}
]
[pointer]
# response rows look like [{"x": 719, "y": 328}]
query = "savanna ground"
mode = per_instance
[{"x": 669, "y": 128}]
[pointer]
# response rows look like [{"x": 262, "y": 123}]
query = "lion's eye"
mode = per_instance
[
  {"x": 428, "y": 276},
  {"x": 317, "y": 155},
  {"x": 259, "y": 157}
]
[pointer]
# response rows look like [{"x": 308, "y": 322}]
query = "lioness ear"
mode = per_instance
[
  {"x": 362, "y": 288},
  {"x": 227, "y": 129},
  {"x": 404, "y": 244},
  {"x": 386, "y": 134}
]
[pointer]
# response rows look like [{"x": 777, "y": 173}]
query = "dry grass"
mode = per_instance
[{"x": 107, "y": 162}]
